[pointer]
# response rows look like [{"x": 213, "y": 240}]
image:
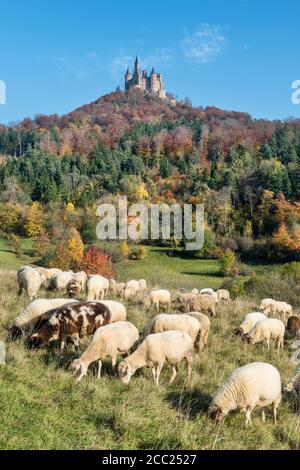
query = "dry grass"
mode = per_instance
[{"x": 42, "y": 407}]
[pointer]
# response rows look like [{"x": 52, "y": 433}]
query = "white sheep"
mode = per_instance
[
  {"x": 131, "y": 290},
  {"x": 168, "y": 322},
  {"x": 27, "y": 318},
  {"x": 47, "y": 273},
  {"x": 264, "y": 330},
  {"x": 274, "y": 307},
  {"x": 250, "y": 321},
  {"x": 257, "y": 384},
  {"x": 205, "y": 327},
  {"x": 29, "y": 280},
  {"x": 197, "y": 303},
  {"x": 108, "y": 341},
  {"x": 59, "y": 281},
  {"x": 155, "y": 350},
  {"x": 223, "y": 294},
  {"x": 194, "y": 292},
  {"x": 210, "y": 292},
  {"x": 117, "y": 288},
  {"x": 96, "y": 287},
  {"x": 117, "y": 310},
  {"x": 81, "y": 278},
  {"x": 157, "y": 298}
]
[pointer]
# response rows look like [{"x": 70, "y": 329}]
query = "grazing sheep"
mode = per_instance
[
  {"x": 110, "y": 340},
  {"x": 96, "y": 287},
  {"x": 293, "y": 325},
  {"x": 250, "y": 321},
  {"x": 155, "y": 350},
  {"x": 257, "y": 384},
  {"x": 69, "y": 323},
  {"x": 158, "y": 297},
  {"x": 46, "y": 273},
  {"x": 195, "y": 292},
  {"x": 224, "y": 295},
  {"x": 29, "y": 280},
  {"x": 205, "y": 327},
  {"x": 168, "y": 322},
  {"x": 81, "y": 278},
  {"x": 131, "y": 290},
  {"x": 59, "y": 281},
  {"x": 117, "y": 310},
  {"x": 270, "y": 306},
  {"x": 73, "y": 288},
  {"x": 264, "y": 330},
  {"x": 198, "y": 303},
  {"x": 210, "y": 292},
  {"x": 31, "y": 314}
]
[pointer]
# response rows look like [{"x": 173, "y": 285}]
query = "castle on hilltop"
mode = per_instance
[{"x": 140, "y": 79}]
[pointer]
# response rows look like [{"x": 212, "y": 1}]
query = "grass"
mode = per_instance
[{"x": 43, "y": 408}]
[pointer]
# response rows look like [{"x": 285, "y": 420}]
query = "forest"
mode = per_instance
[{"x": 245, "y": 171}]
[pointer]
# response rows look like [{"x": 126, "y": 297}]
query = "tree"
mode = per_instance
[
  {"x": 34, "y": 220},
  {"x": 97, "y": 261}
]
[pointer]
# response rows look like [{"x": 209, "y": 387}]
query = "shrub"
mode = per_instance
[
  {"x": 236, "y": 287},
  {"x": 41, "y": 244},
  {"x": 228, "y": 264},
  {"x": 291, "y": 270},
  {"x": 125, "y": 250},
  {"x": 97, "y": 261}
]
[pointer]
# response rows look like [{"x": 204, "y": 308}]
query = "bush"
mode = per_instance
[
  {"x": 272, "y": 285},
  {"x": 291, "y": 270},
  {"x": 228, "y": 264},
  {"x": 138, "y": 254},
  {"x": 245, "y": 270},
  {"x": 15, "y": 243},
  {"x": 97, "y": 261},
  {"x": 236, "y": 287}
]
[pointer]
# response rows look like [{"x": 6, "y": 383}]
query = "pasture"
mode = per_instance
[{"x": 43, "y": 408}]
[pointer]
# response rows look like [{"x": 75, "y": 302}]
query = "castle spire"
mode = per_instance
[{"x": 153, "y": 71}]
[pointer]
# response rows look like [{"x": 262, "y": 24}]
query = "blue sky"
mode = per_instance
[{"x": 235, "y": 54}]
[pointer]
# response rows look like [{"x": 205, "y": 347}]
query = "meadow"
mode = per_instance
[{"x": 43, "y": 408}]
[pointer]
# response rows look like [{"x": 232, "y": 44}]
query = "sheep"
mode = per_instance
[
  {"x": 265, "y": 303},
  {"x": 205, "y": 327},
  {"x": 198, "y": 303},
  {"x": 59, "y": 281},
  {"x": 167, "y": 322},
  {"x": 210, "y": 292},
  {"x": 81, "y": 278},
  {"x": 46, "y": 273},
  {"x": 73, "y": 288},
  {"x": 271, "y": 328},
  {"x": 155, "y": 350},
  {"x": 158, "y": 297},
  {"x": 110, "y": 340},
  {"x": 69, "y": 323},
  {"x": 293, "y": 325},
  {"x": 250, "y": 321},
  {"x": 195, "y": 292},
  {"x": 30, "y": 315},
  {"x": 117, "y": 310},
  {"x": 270, "y": 306},
  {"x": 29, "y": 280},
  {"x": 257, "y": 384},
  {"x": 224, "y": 295},
  {"x": 96, "y": 287},
  {"x": 131, "y": 289}
]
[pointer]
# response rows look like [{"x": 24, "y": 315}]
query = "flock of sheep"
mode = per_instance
[{"x": 166, "y": 338}]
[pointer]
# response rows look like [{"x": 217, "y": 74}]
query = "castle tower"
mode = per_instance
[{"x": 140, "y": 79}]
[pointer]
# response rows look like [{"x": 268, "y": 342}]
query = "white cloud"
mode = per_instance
[{"x": 205, "y": 44}]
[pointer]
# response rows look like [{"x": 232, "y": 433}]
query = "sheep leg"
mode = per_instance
[
  {"x": 174, "y": 367},
  {"x": 61, "y": 347},
  {"x": 263, "y": 415},
  {"x": 248, "y": 417},
  {"x": 159, "y": 367},
  {"x": 153, "y": 373},
  {"x": 275, "y": 406},
  {"x": 189, "y": 361},
  {"x": 99, "y": 369},
  {"x": 268, "y": 344},
  {"x": 113, "y": 362}
]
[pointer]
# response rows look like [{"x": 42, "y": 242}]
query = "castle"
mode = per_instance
[{"x": 139, "y": 79}]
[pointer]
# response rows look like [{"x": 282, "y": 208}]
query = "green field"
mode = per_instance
[{"x": 43, "y": 408}]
